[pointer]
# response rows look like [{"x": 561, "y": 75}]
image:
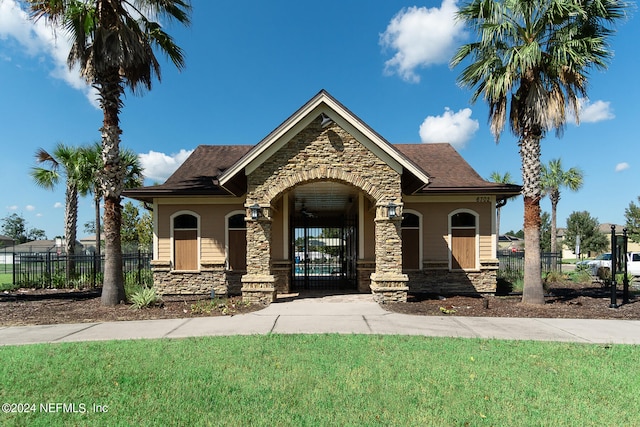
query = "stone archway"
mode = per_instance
[{"x": 331, "y": 154}]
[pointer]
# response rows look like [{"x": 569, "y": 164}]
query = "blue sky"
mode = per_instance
[{"x": 249, "y": 65}]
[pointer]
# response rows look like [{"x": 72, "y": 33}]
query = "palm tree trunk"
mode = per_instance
[
  {"x": 97, "y": 261},
  {"x": 532, "y": 292},
  {"x": 71, "y": 222},
  {"x": 112, "y": 184}
]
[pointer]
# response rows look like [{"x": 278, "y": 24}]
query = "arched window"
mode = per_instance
[
  {"x": 236, "y": 241},
  {"x": 463, "y": 226},
  {"x": 185, "y": 228},
  {"x": 411, "y": 239}
]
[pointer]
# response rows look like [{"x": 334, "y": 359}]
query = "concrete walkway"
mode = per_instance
[{"x": 348, "y": 314}]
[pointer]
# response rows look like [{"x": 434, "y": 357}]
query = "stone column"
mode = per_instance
[
  {"x": 388, "y": 284},
  {"x": 258, "y": 285}
]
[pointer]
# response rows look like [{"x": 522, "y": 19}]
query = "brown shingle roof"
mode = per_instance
[
  {"x": 448, "y": 172},
  {"x": 197, "y": 175}
]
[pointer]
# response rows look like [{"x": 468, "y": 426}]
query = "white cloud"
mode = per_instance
[
  {"x": 454, "y": 128},
  {"x": 30, "y": 208},
  {"x": 159, "y": 166},
  {"x": 592, "y": 112},
  {"x": 58, "y": 205},
  {"x": 12, "y": 208},
  {"x": 420, "y": 37},
  {"x": 41, "y": 39},
  {"x": 622, "y": 166}
]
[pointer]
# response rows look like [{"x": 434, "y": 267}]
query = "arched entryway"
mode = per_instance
[
  {"x": 324, "y": 169},
  {"x": 323, "y": 236}
]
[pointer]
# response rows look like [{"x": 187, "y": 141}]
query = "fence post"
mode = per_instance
[
  {"x": 614, "y": 284},
  {"x": 49, "y": 277},
  {"x": 625, "y": 279}
]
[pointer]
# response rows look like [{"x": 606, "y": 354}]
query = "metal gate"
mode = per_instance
[{"x": 324, "y": 251}]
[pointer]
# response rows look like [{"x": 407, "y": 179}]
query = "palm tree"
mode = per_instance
[
  {"x": 552, "y": 179},
  {"x": 65, "y": 161},
  {"x": 91, "y": 166},
  {"x": 113, "y": 43},
  {"x": 531, "y": 62},
  {"x": 500, "y": 179}
]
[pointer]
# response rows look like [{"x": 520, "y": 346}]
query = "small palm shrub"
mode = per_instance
[{"x": 145, "y": 297}]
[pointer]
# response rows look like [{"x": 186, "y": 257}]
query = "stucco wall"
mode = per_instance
[
  {"x": 435, "y": 227},
  {"x": 212, "y": 229}
]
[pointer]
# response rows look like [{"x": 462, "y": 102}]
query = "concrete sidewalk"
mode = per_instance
[{"x": 356, "y": 314}]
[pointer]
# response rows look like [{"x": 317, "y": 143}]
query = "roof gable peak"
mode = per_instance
[{"x": 325, "y": 105}]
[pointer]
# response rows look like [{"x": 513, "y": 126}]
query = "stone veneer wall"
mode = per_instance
[
  {"x": 282, "y": 272},
  {"x": 364, "y": 270},
  {"x": 436, "y": 278},
  {"x": 323, "y": 154},
  {"x": 211, "y": 277}
]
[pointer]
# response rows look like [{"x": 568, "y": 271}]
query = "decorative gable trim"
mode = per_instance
[{"x": 322, "y": 103}]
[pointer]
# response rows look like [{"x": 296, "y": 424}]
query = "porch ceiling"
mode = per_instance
[{"x": 324, "y": 197}]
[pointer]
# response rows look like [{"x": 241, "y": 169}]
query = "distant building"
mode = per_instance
[
  {"x": 510, "y": 243},
  {"x": 5, "y": 241}
]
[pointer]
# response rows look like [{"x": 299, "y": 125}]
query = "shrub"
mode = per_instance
[
  {"x": 145, "y": 297},
  {"x": 554, "y": 277},
  {"x": 581, "y": 276}
]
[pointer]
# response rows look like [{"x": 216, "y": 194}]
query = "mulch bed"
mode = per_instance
[
  {"x": 564, "y": 300},
  {"x": 51, "y": 306}
]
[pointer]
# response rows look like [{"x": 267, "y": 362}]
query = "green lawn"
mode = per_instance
[
  {"x": 6, "y": 281},
  {"x": 316, "y": 380}
]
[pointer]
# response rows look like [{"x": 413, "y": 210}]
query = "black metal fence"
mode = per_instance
[
  {"x": 512, "y": 263},
  {"x": 49, "y": 270}
]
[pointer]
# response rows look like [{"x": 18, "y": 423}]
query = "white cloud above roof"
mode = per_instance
[
  {"x": 159, "y": 166},
  {"x": 622, "y": 166},
  {"x": 456, "y": 128},
  {"x": 421, "y": 37}
]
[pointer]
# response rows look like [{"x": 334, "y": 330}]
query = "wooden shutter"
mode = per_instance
[
  {"x": 411, "y": 249},
  {"x": 185, "y": 244},
  {"x": 463, "y": 249},
  {"x": 238, "y": 250}
]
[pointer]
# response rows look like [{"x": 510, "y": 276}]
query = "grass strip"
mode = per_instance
[{"x": 322, "y": 380}]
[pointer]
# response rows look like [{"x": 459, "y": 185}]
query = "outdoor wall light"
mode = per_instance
[
  {"x": 255, "y": 211},
  {"x": 392, "y": 210},
  {"x": 326, "y": 121}
]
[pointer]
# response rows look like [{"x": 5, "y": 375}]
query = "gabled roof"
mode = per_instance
[
  {"x": 40, "y": 246},
  {"x": 322, "y": 103},
  {"x": 197, "y": 176},
  {"x": 449, "y": 172},
  {"x": 221, "y": 169}
]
